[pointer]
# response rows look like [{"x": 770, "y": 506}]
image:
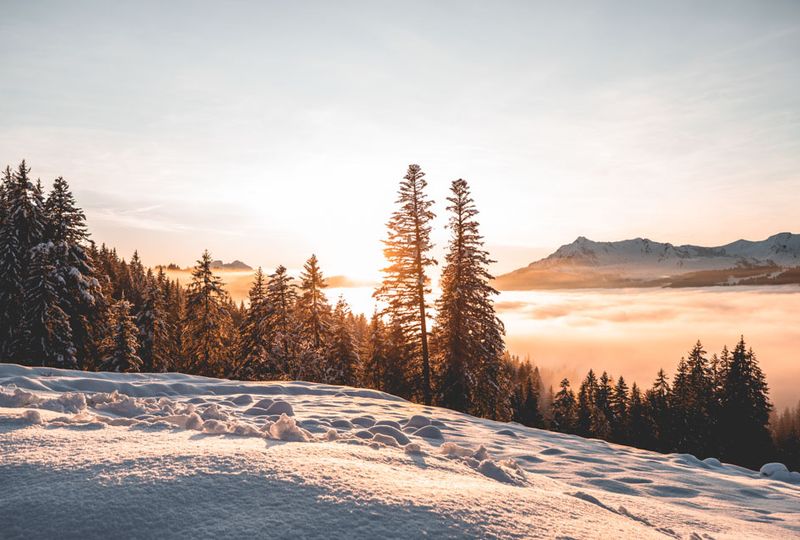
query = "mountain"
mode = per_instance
[
  {"x": 235, "y": 265},
  {"x": 167, "y": 455},
  {"x": 645, "y": 263}
]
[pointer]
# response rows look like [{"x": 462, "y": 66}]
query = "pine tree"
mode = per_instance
[
  {"x": 153, "y": 332},
  {"x": 207, "y": 322},
  {"x": 745, "y": 409},
  {"x": 281, "y": 299},
  {"x": 469, "y": 336},
  {"x": 639, "y": 427},
  {"x": 253, "y": 344},
  {"x": 659, "y": 410},
  {"x": 343, "y": 360},
  {"x": 602, "y": 415},
  {"x": 377, "y": 353},
  {"x": 47, "y": 333},
  {"x": 564, "y": 409},
  {"x": 586, "y": 400},
  {"x": 786, "y": 437},
  {"x": 22, "y": 228},
  {"x": 313, "y": 307},
  {"x": 619, "y": 412},
  {"x": 700, "y": 405},
  {"x": 531, "y": 415},
  {"x": 405, "y": 282},
  {"x": 121, "y": 345},
  {"x": 81, "y": 294},
  {"x": 65, "y": 221},
  {"x": 175, "y": 308},
  {"x": 399, "y": 352}
]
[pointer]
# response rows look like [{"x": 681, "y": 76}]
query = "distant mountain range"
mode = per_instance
[
  {"x": 644, "y": 263},
  {"x": 235, "y": 265}
]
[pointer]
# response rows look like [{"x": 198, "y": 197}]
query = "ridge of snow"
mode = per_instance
[
  {"x": 172, "y": 455},
  {"x": 781, "y": 249}
]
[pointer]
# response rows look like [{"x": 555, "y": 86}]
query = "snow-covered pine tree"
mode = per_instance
[
  {"x": 82, "y": 297},
  {"x": 405, "y": 283},
  {"x": 281, "y": 297},
  {"x": 138, "y": 282},
  {"x": 175, "y": 308},
  {"x": 468, "y": 337},
  {"x": 47, "y": 336},
  {"x": 342, "y": 351},
  {"x": 312, "y": 306},
  {"x": 152, "y": 323},
  {"x": 207, "y": 322},
  {"x": 121, "y": 345},
  {"x": 745, "y": 408},
  {"x": 253, "y": 344},
  {"x": 564, "y": 408},
  {"x": 65, "y": 221},
  {"x": 22, "y": 228}
]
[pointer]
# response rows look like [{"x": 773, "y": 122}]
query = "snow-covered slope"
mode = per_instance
[{"x": 89, "y": 455}]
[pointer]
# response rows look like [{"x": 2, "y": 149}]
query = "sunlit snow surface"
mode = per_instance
[{"x": 91, "y": 455}]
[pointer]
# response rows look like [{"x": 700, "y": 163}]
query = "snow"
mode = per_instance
[
  {"x": 642, "y": 256},
  {"x": 86, "y": 455}
]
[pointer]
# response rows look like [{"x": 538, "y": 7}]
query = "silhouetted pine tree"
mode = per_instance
[
  {"x": 405, "y": 281},
  {"x": 586, "y": 400},
  {"x": 564, "y": 409},
  {"x": 786, "y": 437},
  {"x": 206, "y": 322},
  {"x": 619, "y": 412},
  {"x": 121, "y": 345},
  {"x": 602, "y": 414},
  {"x": 639, "y": 427},
  {"x": 659, "y": 411},
  {"x": 700, "y": 405},
  {"x": 744, "y": 410},
  {"x": 530, "y": 415}
]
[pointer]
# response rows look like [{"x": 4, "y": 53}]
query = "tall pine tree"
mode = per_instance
[
  {"x": 469, "y": 336},
  {"x": 405, "y": 281}
]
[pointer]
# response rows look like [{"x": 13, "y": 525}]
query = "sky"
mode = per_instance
[{"x": 265, "y": 131}]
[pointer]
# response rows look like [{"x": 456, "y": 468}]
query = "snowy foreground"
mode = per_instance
[{"x": 96, "y": 455}]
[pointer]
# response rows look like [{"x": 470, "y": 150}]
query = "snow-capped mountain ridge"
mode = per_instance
[
  {"x": 781, "y": 249},
  {"x": 641, "y": 262}
]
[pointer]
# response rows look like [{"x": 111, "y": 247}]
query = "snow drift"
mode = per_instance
[{"x": 170, "y": 455}]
